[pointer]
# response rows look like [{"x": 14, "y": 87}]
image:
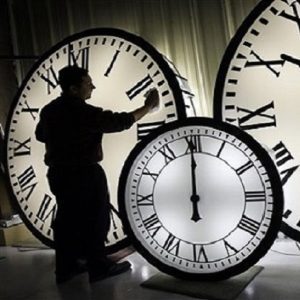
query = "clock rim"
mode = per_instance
[
  {"x": 220, "y": 82},
  {"x": 229, "y": 53},
  {"x": 275, "y": 182},
  {"x": 155, "y": 55}
]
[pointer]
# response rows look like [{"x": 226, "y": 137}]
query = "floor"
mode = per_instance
[{"x": 28, "y": 275}]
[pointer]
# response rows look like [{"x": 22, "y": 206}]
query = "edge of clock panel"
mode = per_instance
[
  {"x": 275, "y": 222},
  {"x": 260, "y": 9},
  {"x": 228, "y": 55},
  {"x": 179, "y": 95}
]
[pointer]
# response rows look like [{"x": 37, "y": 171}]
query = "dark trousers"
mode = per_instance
[{"x": 83, "y": 217}]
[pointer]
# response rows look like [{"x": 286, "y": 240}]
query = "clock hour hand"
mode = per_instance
[
  {"x": 194, "y": 197},
  {"x": 290, "y": 59}
]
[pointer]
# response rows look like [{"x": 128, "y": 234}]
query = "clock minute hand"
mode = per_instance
[
  {"x": 290, "y": 59},
  {"x": 194, "y": 197}
]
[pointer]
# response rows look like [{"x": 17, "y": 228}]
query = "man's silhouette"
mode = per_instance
[{"x": 72, "y": 131}]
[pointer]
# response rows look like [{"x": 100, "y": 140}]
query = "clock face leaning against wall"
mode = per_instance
[
  {"x": 257, "y": 89},
  {"x": 123, "y": 67},
  {"x": 201, "y": 199}
]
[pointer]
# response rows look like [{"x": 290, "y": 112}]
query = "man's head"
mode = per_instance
[{"x": 75, "y": 81}]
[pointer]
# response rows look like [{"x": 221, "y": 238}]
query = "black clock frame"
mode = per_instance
[
  {"x": 115, "y": 32},
  {"x": 275, "y": 182},
  {"x": 229, "y": 52},
  {"x": 220, "y": 82}
]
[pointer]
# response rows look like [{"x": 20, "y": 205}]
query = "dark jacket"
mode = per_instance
[{"x": 72, "y": 130}]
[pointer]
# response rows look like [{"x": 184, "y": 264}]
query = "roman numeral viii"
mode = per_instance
[
  {"x": 27, "y": 181},
  {"x": 46, "y": 210}
]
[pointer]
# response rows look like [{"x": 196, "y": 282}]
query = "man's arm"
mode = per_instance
[
  {"x": 108, "y": 121},
  {"x": 151, "y": 102}
]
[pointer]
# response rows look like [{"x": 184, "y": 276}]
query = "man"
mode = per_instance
[{"x": 72, "y": 131}]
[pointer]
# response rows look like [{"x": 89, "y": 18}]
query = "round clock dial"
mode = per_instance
[
  {"x": 257, "y": 89},
  {"x": 200, "y": 199},
  {"x": 123, "y": 68}
]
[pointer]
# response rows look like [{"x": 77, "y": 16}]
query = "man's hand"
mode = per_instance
[
  {"x": 151, "y": 102},
  {"x": 152, "y": 98}
]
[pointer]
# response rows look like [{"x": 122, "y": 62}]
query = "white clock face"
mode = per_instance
[
  {"x": 123, "y": 67},
  {"x": 200, "y": 199},
  {"x": 257, "y": 90}
]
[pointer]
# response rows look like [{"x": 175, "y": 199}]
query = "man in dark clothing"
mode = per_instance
[{"x": 72, "y": 131}]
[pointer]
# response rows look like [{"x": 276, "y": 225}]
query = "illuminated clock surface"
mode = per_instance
[
  {"x": 123, "y": 67},
  {"x": 257, "y": 89},
  {"x": 200, "y": 199}
]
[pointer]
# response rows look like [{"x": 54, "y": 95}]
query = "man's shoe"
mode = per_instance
[
  {"x": 63, "y": 277},
  {"x": 113, "y": 270}
]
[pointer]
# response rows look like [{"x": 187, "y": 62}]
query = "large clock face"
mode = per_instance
[
  {"x": 201, "y": 199},
  {"x": 257, "y": 90},
  {"x": 123, "y": 67}
]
